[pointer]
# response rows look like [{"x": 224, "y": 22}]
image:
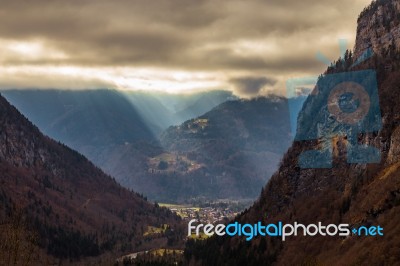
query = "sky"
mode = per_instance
[{"x": 249, "y": 47}]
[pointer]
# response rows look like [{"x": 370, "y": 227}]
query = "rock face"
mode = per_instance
[
  {"x": 356, "y": 194},
  {"x": 378, "y": 27}
]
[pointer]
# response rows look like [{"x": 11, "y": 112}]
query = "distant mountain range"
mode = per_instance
[
  {"x": 229, "y": 152},
  {"x": 55, "y": 204}
]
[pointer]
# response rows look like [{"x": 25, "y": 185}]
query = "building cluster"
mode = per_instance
[{"x": 205, "y": 215}]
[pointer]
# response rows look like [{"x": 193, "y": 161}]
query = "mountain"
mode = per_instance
[
  {"x": 226, "y": 152},
  {"x": 56, "y": 205},
  {"x": 359, "y": 194}
]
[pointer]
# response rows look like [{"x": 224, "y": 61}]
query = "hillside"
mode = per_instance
[
  {"x": 231, "y": 147},
  {"x": 357, "y": 193},
  {"x": 56, "y": 205}
]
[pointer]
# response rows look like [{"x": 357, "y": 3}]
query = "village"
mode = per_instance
[{"x": 203, "y": 215}]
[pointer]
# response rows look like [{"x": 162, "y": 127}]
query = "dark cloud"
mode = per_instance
[
  {"x": 128, "y": 28},
  {"x": 250, "y": 37},
  {"x": 251, "y": 86}
]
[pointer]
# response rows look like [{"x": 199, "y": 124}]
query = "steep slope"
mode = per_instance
[
  {"x": 357, "y": 194},
  {"x": 72, "y": 207},
  {"x": 230, "y": 148}
]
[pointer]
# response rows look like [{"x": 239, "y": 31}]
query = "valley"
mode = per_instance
[
  {"x": 218, "y": 153},
  {"x": 196, "y": 133}
]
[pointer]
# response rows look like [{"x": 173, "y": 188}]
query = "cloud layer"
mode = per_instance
[{"x": 214, "y": 41}]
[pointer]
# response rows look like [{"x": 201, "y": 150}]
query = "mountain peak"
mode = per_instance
[{"x": 378, "y": 27}]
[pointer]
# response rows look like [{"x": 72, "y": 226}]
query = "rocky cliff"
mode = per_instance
[{"x": 378, "y": 27}]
